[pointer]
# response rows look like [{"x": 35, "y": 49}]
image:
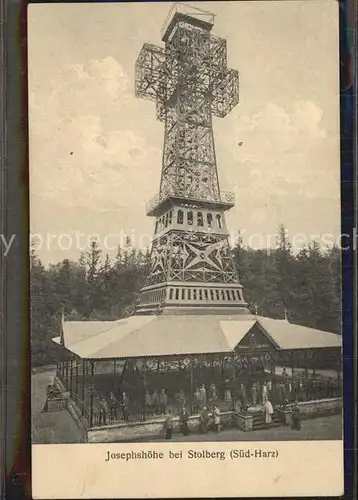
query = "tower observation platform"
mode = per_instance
[{"x": 189, "y": 81}]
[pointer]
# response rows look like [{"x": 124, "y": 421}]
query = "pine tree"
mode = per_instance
[
  {"x": 283, "y": 270},
  {"x": 92, "y": 259}
]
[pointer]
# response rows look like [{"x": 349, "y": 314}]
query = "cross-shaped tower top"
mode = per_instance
[{"x": 189, "y": 81}]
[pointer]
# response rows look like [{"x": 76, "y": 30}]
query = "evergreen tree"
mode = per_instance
[{"x": 308, "y": 285}]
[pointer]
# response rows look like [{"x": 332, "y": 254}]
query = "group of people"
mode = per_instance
[
  {"x": 205, "y": 417},
  {"x": 202, "y": 396},
  {"x": 112, "y": 408},
  {"x": 155, "y": 402},
  {"x": 277, "y": 391}
]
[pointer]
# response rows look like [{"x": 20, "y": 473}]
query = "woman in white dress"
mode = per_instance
[{"x": 268, "y": 409}]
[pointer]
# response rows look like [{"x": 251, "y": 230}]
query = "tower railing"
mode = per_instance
[
  {"x": 189, "y": 10},
  {"x": 226, "y": 198}
]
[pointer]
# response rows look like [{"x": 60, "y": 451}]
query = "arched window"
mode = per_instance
[
  {"x": 166, "y": 220},
  {"x": 228, "y": 296},
  {"x": 218, "y": 218},
  {"x": 189, "y": 294},
  {"x": 156, "y": 226},
  {"x": 238, "y": 294},
  {"x": 182, "y": 294},
  {"x": 200, "y": 219},
  {"x": 171, "y": 293},
  {"x": 190, "y": 218},
  {"x": 232, "y": 294},
  {"x": 180, "y": 217},
  {"x": 170, "y": 217},
  {"x": 209, "y": 218},
  {"x": 177, "y": 293}
]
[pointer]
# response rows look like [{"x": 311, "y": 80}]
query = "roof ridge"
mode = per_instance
[{"x": 97, "y": 333}]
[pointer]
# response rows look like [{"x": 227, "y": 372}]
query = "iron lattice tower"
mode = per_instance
[{"x": 188, "y": 79}]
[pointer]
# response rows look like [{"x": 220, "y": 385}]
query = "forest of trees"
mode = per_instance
[{"x": 306, "y": 284}]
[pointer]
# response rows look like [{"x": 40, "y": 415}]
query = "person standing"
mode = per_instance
[
  {"x": 103, "y": 411},
  {"x": 213, "y": 394},
  {"x": 183, "y": 419},
  {"x": 227, "y": 393},
  {"x": 203, "y": 395},
  {"x": 243, "y": 398},
  {"x": 125, "y": 409},
  {"x": 155, "y": 400},
  {"x": 296, "y": 417},
  {"x": 163, "y": 400},
  {"x": 169, "y": 426},
  {"x": 217, "y": 418},
  {"x": 268, "y": 409},
  {"x": 113, "y": 406},
  {"x": 204, "y": 420},
  {"x": 254, "y": 394},
  {"x": 264, "y": 393},
  {"x": 287, "y": 389}
]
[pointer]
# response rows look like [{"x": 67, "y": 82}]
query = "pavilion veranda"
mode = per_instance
[{"x": 96, "y": 385}]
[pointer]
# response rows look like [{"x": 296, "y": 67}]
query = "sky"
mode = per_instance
[{"x": 95, "y": 149}]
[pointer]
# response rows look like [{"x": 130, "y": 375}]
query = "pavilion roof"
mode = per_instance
[
  {"x": 290, "y": 336},
  {"x": 172, "y": 335}
]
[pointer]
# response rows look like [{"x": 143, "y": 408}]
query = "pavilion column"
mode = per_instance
[
  {"x": 313, "y": 365},
  {"x": 339, "y": 367},
  {"x": 83, "y": 386},
  {"x": 293, "y": 362},
  {"x": 71, "y": 378},
  {"x": 76, "y": 381},
  {"x": 233, "y": 377},
  {"x": 91, "y": 393},
  {"x": 191, "y": 378},
  {"x": 144, "y": 388},
  {"x": 66, "y": 375},
  {"x": 273, "y": 365},
  {"x": 305, "y": 364},
  {"x": 222, "y": 370},
  {"x": 58, "y": 367},
  {"x": 306, "y": 374}
]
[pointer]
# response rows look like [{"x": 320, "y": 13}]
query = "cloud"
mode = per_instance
[
  {"x": 84, "y": 165},
  {"x": 82, "y": 151},
  {"x": 284, "y": 128},
  {"x": 95, "y": 84},
  {"x": 282, "y": 145}
]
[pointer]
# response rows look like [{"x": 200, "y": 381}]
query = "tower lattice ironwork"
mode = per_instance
[{"x": 188, "y": 79}]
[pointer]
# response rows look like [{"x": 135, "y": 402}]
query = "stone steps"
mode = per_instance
[{"x": 259, "y": 421}]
